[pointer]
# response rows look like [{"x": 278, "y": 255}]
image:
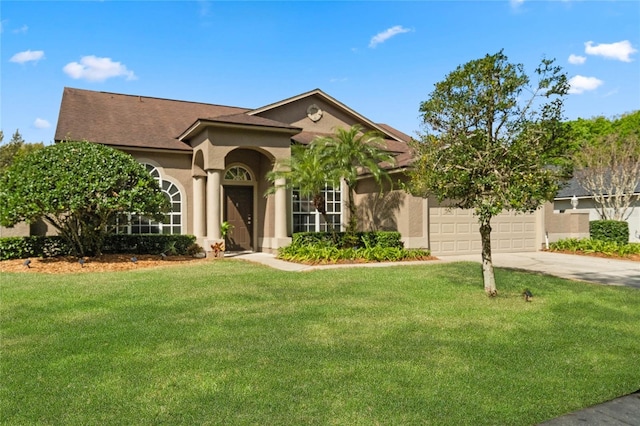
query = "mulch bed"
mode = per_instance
[
  {"x": 104, "y": 263},
  {"x": 122, "y": 262}
]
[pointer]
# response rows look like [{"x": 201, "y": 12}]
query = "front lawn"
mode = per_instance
[{"x": 229, "y": 342}]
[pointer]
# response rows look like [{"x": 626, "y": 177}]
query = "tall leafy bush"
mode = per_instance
[{"x": 609, "y": 230}]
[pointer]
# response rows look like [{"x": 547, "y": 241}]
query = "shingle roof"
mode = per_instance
[
  {"x": 397, "y": 133},
  {"x": 147, "y": 122},
  {"x": 572, "y": 187},
  {"x": 129, "y": 120}
]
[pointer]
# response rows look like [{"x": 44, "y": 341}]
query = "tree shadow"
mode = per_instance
[{"x": 379, "y": 211}]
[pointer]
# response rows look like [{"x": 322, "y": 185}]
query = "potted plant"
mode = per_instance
[
  {"x": 219, "y": 247},
  {"x": 225, "y": 229}
]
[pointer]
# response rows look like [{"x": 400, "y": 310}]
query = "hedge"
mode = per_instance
[
  {"x": 383, "y": 239},
  {"x": 609, "y": 230},
  {"x": 51, "y": 246},
  {"x": 22, "y": 247}
]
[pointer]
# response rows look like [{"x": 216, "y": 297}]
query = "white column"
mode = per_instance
[
  {"x": 213, "y": 203},
  {"x": 281, "y": 209},
  {"x": 199, "y": 206}
]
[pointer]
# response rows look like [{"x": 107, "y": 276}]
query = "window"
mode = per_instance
[
  {"x": 307, "y": 219},
  {"x": 237, "y": 174},
  {"x": 172, "y": 222}
]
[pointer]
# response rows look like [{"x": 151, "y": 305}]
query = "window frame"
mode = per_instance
[{"x": 306, "y": 218}]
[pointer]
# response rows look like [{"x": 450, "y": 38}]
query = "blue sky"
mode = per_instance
[{"x": 380, "y": 58}]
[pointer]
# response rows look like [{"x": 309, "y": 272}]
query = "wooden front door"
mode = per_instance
[{"x": 238, "y": 211}]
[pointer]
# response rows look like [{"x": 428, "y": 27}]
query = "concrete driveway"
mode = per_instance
[{"x": 575, "y": 267}]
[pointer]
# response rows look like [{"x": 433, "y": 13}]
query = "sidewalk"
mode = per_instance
[{"x": 623, "y": 411}]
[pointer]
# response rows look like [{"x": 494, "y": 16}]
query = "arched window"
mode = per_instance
[
  {"x": 237, "y": 174},
  {"x": 172, "y": 223}
]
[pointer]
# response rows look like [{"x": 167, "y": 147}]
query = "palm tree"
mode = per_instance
[
  {"x": 308, "y": 173},
  {"x": 353, "y": 152}
]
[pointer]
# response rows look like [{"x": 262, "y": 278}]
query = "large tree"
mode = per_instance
[
  {"x": 492, "y": 142},
  {"x": 14, "y": 149},
  {"x": 79, "y": 188},
  {"x": 609, "y": 169},
  {"x": 353, "y": 152},
  {"x": 607, "y": 163}
]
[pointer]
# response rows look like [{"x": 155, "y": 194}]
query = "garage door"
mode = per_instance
[{"x": 456, "y": 231}]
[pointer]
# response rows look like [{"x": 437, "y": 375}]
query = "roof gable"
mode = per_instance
[{"x": 314, "y": 95}]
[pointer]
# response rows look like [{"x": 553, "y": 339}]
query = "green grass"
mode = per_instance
[{"x": 229, "y": 342}]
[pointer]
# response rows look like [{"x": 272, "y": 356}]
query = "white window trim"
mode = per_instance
[{"x": 181, "y": 190}]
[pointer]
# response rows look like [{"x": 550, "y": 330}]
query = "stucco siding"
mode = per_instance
[
  {"x": 296, "y": 114},
  {"x": 392, "y": 210},
  {"x": 587, "y": 205},
  {"x": 21, "y": 229}
]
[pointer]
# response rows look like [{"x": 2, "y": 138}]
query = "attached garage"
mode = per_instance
[{"x": 456, "y": 231}]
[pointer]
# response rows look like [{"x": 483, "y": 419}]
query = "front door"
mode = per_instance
[{"x": 238, "y": 211}]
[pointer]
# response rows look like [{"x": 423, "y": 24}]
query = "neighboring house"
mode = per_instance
[
  {"x": 211, "y": 161},
  {"x": 585, "y": 204}
]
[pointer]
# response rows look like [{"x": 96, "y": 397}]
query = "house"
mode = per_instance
[
  {"x": 574, "y": 199},
  {"x": 211, "y": 161}
]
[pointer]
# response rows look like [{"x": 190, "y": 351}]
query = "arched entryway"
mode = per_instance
[{"x": 238, "y": 207}]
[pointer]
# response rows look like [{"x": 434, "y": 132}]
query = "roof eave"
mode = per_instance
[
  {"x": 585, "y": 197},
  {"x": 187, "y": 149},
  {"x": 202, "y": 124}
]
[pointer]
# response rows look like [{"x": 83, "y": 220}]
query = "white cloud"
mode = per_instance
[
  {"x": 22, "y": 30},
  {"x": 580, "y": 84},
  {"x": 92, "y": 68},
  {"x": 620, "y": 50},
  {"x": 41, "y": 123},
  {"x": 387, "y": 34},
  {"x": 27, "y": 56},
  {"x": 577, "y": 59},
  {"x": 516, "y": 3}
]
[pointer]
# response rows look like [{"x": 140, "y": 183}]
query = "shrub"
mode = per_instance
[
  {"x": 609, "y": 230},
  {"x": 80, "y": 187},
  {"x": 318, "y": 254},
  {"x": 194, "y": 249},
  {"x": 590, "y": 245},
  {"x": 34, "y": 246},
  {"x": 325, "y": 247},
  {"x": 149, "y": 244},
  {"x": 344, "y": 239},
  {"x": 51, "y": 246}
]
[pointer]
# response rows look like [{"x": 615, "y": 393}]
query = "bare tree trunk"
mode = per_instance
[
  {"x": 69, "y": 232},
  {"x": 487, "y": 265},
  {"x": 352, "y": 226}
]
